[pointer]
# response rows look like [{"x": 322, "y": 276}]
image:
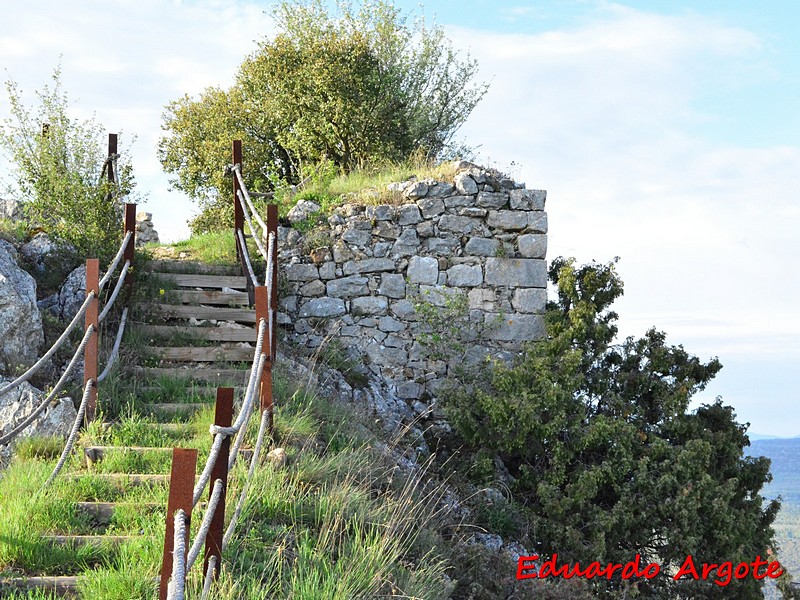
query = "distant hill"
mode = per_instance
[{"x": 785, "y": 456}]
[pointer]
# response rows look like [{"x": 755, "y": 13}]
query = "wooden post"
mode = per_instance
[
  {"x": 272, "y": 227},
  {"x": 130, "y": 225},
  {"x": 181, "y": 492},
  {"x": 223, "y": 416},
  {"x": 265, "y": 389},
  {"x": 90, "y": 351}
]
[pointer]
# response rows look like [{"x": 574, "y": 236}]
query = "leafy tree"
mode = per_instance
[
  {"x": 605, "y": 453},
  {"x": 59, "y": 171},
  {"x": 356, "y": 87}
]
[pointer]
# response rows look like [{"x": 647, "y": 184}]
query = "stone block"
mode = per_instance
[
  {"x": 465, "y": 184},
  {"x": 408, "y": 214},
  {"x": 313, "y": 288},
  {"x": 410, "y": 390},
  {"x": 404, "y": 309},
  {"x": 477, "y": 246},
  {"x": 425, "y": 229},
  {"x": 492, "y": 199},
  {"x": 537, "y": 222},
  {"x": 430, "y": 207},
  {"x": 394, "y": 341},
  {"x": 323, "y": 307},
  {"x": 438, "y": 189},
  {"x": 438, "y": 295},
  {"x": 529, "y": 300},
  {"x": 341, "y": 253},
  {"x": 368, "y": 265},
  {"x": 301, "y": 272},
  {"x": 481, "y": 299},
  {"x": 348, "y": 287},
  {"x": 459, "y": 201},
  {"x": 509, "y": 220},
  {"x": 359, "y": 237},
  {"x": 443, "y": 246},
  {"x": 384, "y": 212},
  {"x": 390, "y": 325},
  {"x": 472, "y": 211},
  {"x": 327, "y": 271},
  {"x": 459, "y": 224},
  {"x": 516, "y": 272},
  {"x": 381, "y": 355},
  {"x": 369, "y": 305},
  {"x": 392, "y": 285},
  {"x": 418, "y": 189},
  {"x": 532, "y": 245},
  {"x": 521, "y": 199},
  {"x": 423, "y": 269},
  {"x": 464, "y": 276},
  {"x": 514, "y": 327},
  {"x": 381, "y": 249}
]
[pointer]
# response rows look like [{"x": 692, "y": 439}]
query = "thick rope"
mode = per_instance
[
  {"x": 177, "y": 581},
  {"x": 237, "y": 170},
  {"x": 220, "y": 433},
  {"x": 246, "y": 255},
  {"x": 240, "y": 435},
  {"x": 202, "y": 533},
  {"x": 60, "y": 384},
  {"x": 39, "y": 363},
  {"x": 256, "y": 237},
  {"x": 270, "y": 257},
  {"x": 115, "y": 293},
  {"x": 115, "y": 350},
  {"x": 243, "y": 495},
  {"x": 115, "y": 263},
  {"x": 212, "y": 568},
  {"x": 73, "y": 434}
]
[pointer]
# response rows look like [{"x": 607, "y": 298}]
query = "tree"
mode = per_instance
[
  {"x": 59, "y": 171},
  {"x": 355, "y": 87},
  {"x": 605, "y": 453}
]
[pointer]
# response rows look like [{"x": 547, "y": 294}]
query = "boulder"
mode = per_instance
[
  {"x": 56, "y": 420},
  {"x": 10, "y": 209},
  {"x": 302, "y": 210},
  {"x": 20, "y": 322},
  {"x": 36, "y": 251},
  {"x": 71, "y": 295}
]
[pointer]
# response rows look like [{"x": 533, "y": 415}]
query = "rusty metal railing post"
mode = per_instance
[
  {"x": 181, "y": 491},
  {"x": 265, "y": 389},
  {"x": 223, "y": 417},
  {"x": 130, "y": 225},
  {"x": 238, "y": 218},
  {"x": 91, "y": 320},
  {"x": 112, "y": 150}
]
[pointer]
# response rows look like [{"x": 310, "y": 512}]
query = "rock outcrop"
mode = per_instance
[{"x": 21, "y": 332}]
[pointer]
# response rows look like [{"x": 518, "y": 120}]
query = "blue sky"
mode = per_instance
[{"x": 666, "y": 133}]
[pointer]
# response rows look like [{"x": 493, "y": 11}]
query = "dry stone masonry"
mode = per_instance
[{"x": 414, "y": 290}]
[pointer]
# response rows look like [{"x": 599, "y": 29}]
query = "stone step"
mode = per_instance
[
  {"x": 174, "y": 408},
  {"x": 94, "y": 454},
  {"x": 190, "y": 267},
  {"x": 203, "y": 354},
  {"x": 215, "y": 297},
  {"x": 211, "y": 334},
  {"x": 215, "y": 376},
  {"x": 102, "y": 512},
  {"x": 183, "y": 311},
  {"x": 217, "y": 282}
]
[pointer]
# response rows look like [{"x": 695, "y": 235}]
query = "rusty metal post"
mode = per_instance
[
  {"x": 90, "y": 351},
  {"x": 238, "y": 214},
  {"x": 181, "y": 491},
  {"x": 112, "y": 150},
  {"x": 223, "y": 417},
  {"x": 265, "y": 389},
  {"x": 130, "y": 225},
  {"x": 272, "y": 227}
]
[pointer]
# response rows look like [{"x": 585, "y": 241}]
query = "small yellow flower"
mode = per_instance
[{"x": 161, "y": 292}]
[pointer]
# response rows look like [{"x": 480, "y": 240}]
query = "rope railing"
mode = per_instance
[
  {"x": 229, "y": 435},
  {"x": 73, "y": 434},
  {"x": 115, "y": 292},
  {"x": 115, "y": 350}
]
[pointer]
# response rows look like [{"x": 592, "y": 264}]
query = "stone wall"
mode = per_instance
[{"x": 439, "y": 279}]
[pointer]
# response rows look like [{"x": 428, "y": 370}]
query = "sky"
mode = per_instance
[{"x": 666, "y": 133}]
